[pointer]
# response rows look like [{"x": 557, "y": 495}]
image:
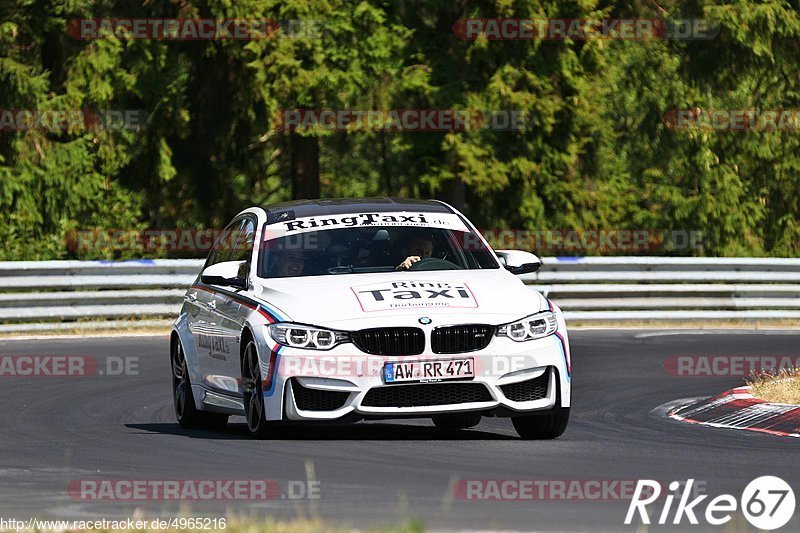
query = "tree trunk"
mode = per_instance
[
  {"x": 454, "y": 193},
  {"x": 305, "y": 167}
]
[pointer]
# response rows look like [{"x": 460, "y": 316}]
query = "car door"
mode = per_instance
[
  {"x": 229, "y": 314},
  {"x": 206, "y": 327}
]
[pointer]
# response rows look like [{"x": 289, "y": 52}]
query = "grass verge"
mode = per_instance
[{"x": 783, "y": 387}]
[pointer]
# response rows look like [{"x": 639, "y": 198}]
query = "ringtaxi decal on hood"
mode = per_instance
[{"x": 413, "y": 293}]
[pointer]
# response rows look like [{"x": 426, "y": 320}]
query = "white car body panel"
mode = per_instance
[{"x": 213, "y": 319}]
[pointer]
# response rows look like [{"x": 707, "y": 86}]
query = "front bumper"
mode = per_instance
[{"x": 510, "y": 379}]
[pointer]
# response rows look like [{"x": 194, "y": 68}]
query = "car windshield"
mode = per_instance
[{"x": 372, "y": 248}]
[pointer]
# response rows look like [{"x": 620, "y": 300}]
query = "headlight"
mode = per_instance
[
  {"x": 529, "y": 328},
  {"x": 301, "y": 336}
]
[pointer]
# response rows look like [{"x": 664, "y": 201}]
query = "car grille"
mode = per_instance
[
  {"x": 317, "y": 400},
  {"x": 462, "y": 338},
  {"x": 526, "y": 391},
  {"x": 426, "y": 394},
  {"x": 390, "y": 341}
]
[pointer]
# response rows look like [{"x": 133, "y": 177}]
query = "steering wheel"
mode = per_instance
[{"x": 434, "y": 263}]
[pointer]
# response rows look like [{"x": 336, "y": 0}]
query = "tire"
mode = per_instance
[
  {"x": 545, "y": 426},
  {"x": 456, "y": 421},
  {"x": 182, "y": 398},
  {"x": 253, "y": 392}
]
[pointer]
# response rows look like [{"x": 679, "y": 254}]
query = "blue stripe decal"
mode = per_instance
[
  {"x": 277, "y": 352},
  {"x": 275, "y": 314},
  {"x": 274, "y": 371},
  {"x": 564, "y": 354},
  {"x": 563, "y": 344},
  {"x": 243, "y": 299}
]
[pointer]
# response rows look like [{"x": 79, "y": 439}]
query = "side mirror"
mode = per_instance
[
  {"x": 519, "y": 262},
  {"x": 226, "y": 274}
]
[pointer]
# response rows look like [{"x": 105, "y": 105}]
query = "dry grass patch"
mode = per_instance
[{"x": 783, "y": 387}]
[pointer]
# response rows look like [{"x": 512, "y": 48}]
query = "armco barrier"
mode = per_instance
[
  {"x": 671, "y": 288},
  {"x": 51, "y": 295}
]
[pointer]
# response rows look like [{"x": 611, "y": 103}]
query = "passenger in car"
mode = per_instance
[{"x": 288, "y": 264}]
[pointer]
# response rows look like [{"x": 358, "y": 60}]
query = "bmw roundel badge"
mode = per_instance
[{"x": 425, "y": 320}]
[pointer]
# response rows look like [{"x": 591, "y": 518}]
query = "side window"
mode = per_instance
[
  {"x": 246, "y": 238},
  {"x": 224, "y": 247}
]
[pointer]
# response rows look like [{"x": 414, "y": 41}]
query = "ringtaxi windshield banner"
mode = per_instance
[{"x": 288, "y": 226}]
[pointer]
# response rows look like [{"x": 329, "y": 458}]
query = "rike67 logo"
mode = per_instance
[
  {"x": 767, "y": 503},
  {"x": 413, "y": 294}
]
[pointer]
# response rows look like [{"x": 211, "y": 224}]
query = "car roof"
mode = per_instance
[{"x": 340, "y": 206}]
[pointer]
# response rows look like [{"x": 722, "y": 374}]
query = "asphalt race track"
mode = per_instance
[{"x": 60, "y": 429}]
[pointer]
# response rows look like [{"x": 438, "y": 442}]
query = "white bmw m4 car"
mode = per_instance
[{"x": 345, "y": 310}]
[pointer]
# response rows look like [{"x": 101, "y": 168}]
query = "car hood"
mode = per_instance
[{"x": 486, "y": 296}]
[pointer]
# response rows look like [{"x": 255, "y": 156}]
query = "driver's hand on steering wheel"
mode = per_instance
[{"x": 410, "y": 260}]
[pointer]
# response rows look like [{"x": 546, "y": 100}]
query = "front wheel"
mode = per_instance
[
  {"x": 253, "y": 392},
  {"x": 549, "y": 425},
  {"x": 183, "y": 400}
]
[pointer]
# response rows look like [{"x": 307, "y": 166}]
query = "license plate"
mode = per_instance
[{"x": 422, "y": 371}]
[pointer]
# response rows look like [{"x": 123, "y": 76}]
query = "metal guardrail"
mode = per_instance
[
  {"x": 52, "y": 295},
  {"x": 671, "y": 288}
]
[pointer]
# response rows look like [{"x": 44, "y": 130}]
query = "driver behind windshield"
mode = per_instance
[{"x": 417, "y": 248}]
